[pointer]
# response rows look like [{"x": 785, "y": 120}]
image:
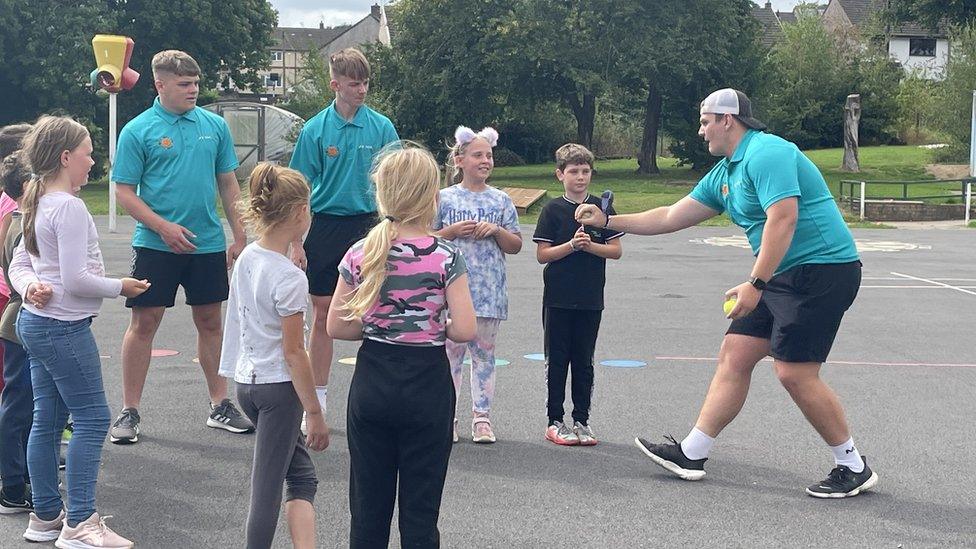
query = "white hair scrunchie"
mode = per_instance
[{"x": 464, "y": 135}]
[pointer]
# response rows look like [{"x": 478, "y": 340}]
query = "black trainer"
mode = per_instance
[
  {"x": 673, "y": 459},
  {"x": 10, "y": 506},
  {"x": 844, "y": 483}
]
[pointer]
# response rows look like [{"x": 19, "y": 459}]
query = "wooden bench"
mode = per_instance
[{"x": 524, "y": 198}]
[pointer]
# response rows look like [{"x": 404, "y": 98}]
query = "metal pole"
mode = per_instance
[
  {"x": 969, "y": 199},
  {"x": 863, "y": 186},
  {"x": 112, "y": 117}
]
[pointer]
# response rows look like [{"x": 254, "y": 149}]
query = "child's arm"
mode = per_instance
[
  {"x": 300, "y": 367},
  {"x": 335, "y": 325},
  {"x": 610, "y": 250},
  {"x": 509, "y": 242},
  {"x": 462, "y": 326},
  {"x": 24, "y": 279}
]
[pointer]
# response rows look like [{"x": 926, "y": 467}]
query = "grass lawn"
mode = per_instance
[{"x": 633, "y": 193}]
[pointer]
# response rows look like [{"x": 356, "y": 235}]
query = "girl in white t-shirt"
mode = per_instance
[{"x": 264, "y": 351}]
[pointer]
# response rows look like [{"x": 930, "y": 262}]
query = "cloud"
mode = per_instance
[{"x": 309, "y": 13}]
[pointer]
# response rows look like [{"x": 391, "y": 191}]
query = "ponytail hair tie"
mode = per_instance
[{"x": 390, "y": 218}]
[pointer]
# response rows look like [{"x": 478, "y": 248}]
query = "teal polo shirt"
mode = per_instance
[
  {"x": 173, "y": 161},
  {"x": 765, "y": 169},
  {"x": 336, "y": 155}
]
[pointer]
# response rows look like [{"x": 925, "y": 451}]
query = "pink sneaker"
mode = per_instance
[
  {"x": 43, "y": 530},
  {"x": 91, "y": 534},
  {"x": 481, "y": 432}
]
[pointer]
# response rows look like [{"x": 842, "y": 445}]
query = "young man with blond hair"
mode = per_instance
[
  {"x": 806, "y": 274},
  {"x": 335, "y": 151},
  {"x": 173, "y": 160}
]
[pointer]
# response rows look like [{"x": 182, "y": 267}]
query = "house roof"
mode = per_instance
[
  {"x": 305, "y": 39},
  {"x": 786, "y": 17},
  {"x": 861, "y": 12},
  {"x": 771, "y": 30}
]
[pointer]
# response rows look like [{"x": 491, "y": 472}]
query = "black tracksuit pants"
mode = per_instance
[
  {"x": 570, "y": 340},
  {"x": 400, "y": 419}
]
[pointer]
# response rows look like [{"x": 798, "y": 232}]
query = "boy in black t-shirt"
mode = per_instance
[{"x": 575, "y": 259}]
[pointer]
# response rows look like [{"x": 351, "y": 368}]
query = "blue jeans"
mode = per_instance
[
  {"x": 66, "y": 373},
  {"x": 16, "y": 408}
]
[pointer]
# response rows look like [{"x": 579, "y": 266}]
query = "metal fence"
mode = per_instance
[{"x": 857, "y": 191}]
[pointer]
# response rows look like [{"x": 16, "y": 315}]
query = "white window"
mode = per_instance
[
  {"x": 272, "y": 80},
  {"x": 276, "y": 55},
  {"x": 921, "y": 47}
]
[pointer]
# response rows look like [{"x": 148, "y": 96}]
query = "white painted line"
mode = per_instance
[
  {"x": 900, "y": 278},
  {"x": 910, "y": 277},
  {"x": 844, "y": 362},
  {"x": 920, "y": 287}
]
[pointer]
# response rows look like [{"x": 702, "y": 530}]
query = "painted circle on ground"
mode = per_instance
[
  {"x": 164, "y": 352},
  {"x": 863, "y": 245},
  {"x": 535, "y": 356},
  {"x": 498, "y": 362},
  {"x": 623, "y": 363},
  {"x": 349, "y": 360}
]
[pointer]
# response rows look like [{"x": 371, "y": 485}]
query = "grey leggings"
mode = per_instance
[{"x": 280, "y": 456}]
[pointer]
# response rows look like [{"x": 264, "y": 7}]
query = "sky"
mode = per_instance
[{"x": 309, "y": 13}]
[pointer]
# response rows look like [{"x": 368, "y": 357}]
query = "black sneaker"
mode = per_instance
[
  {"x": 125, "y": 430},
  {"x": 226, "y": 416},
  {"x": 844, "y": 483},
  {"x": 672, "y": 458},
  {"x": 9, "y": 506}
]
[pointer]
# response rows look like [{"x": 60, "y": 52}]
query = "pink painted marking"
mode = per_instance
[
  {"x": 843, "y": 362},
  {"x": 164, "y": 352}
]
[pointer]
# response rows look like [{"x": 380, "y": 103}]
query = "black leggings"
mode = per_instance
[
  {"x": 570, "y": 339},
  {"x": 399, "y": 425}
]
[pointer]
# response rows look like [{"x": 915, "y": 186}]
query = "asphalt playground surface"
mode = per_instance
[{"x": 903, "y": 365}]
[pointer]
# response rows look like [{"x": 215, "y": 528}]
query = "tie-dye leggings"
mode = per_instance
[{"x": 482, "y": 349}]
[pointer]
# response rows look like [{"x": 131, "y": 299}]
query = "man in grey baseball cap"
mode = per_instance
[{"x": 806, "y": 274}]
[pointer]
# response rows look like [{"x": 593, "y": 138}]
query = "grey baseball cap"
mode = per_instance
[{"x": 734, "y": 102}]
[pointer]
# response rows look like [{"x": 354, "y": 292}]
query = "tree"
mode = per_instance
[
  {"x": 930, "y": 12},
  {"x": 808, "y": 76},
  {"x": 46, "y": 56},
  {"x": 662, "y": 55}
]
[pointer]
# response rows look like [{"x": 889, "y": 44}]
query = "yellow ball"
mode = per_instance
[{"x": 727, "y": 307}]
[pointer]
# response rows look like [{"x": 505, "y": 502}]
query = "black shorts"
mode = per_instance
[
  {"x": 329, "y": 237},
  {"x": 801, "y": 309},
  {"x": 203, "y": 277}
]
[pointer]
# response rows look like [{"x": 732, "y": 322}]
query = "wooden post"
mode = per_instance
[{"x": 852, "y": 117}]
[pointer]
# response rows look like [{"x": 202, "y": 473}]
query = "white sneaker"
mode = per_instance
[
  {"x": 91, "y": 534},
  {"x": 43, "y": 530}
]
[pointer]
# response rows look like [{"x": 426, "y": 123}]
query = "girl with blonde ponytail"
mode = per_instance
[
  {"x": 396, "y": 289},
  {"x": 264, "y": 351},
  {"x": 58, "y": 270}
]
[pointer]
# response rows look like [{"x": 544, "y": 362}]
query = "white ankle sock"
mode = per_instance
[
  {"x": 322, "y": 391},
  {"x": 846, "y": 454},
  {"x": 697, "y": 444}
]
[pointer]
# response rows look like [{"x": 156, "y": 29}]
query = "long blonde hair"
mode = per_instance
[
  {"x": 275, "y": 193},
  {"x": 44, "y": 144},
  {"x": 407, "y": 180}
]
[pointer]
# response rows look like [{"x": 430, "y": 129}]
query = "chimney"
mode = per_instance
[
  {"x": 321, "y": 25},
  {"x": 374, "y": 10},
  {"x": 769, "y": 5}
]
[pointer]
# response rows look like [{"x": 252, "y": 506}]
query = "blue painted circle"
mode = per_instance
[
  {"x": 535, "y": 356},
  {"x": 623, "y": 363}
]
